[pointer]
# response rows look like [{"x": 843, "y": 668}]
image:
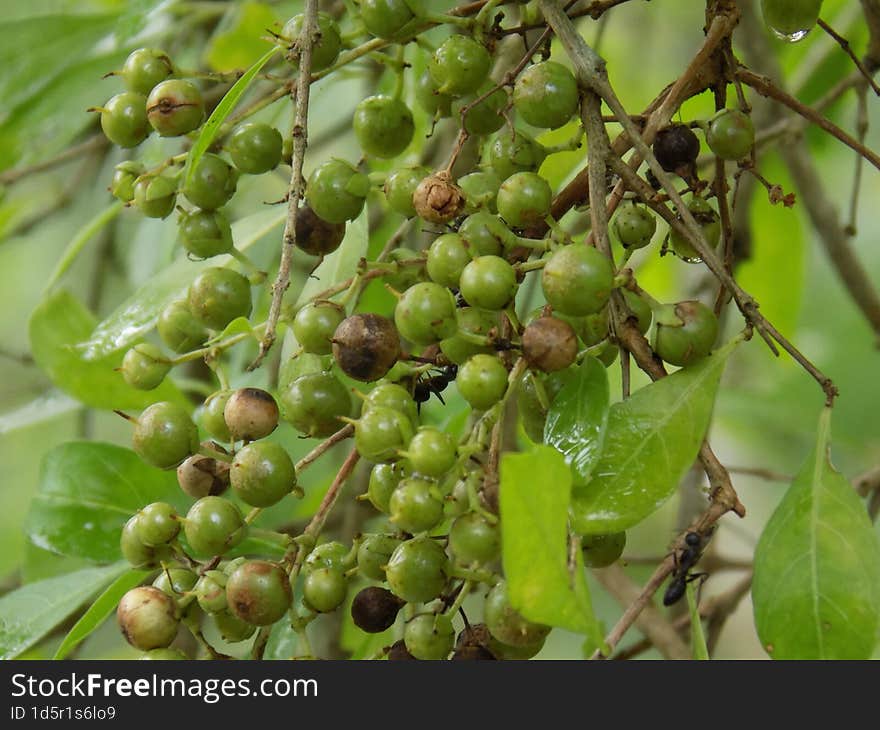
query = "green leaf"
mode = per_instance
[
  {"x": 535, "y": 491},
  {"x": 223, "y": 110},
  {"x": 87, "y": 491},
  {"x": 42, "y": 408},
  {"x": 138, "y": 314},
  {"x": 245, "y": 41},
  {"x": 103, "y": 606},
  {"x": 816, "y": 589},
  {"x": 577, "y": 418},
  {"x": 31, "y": 612},
  {"x": 55, "y": 329},
  {"x": 698, "y": 638},
  {"x": 651, "y": 440}
]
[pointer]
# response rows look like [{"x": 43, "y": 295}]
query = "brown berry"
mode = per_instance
[
  {"x": 676, "y": 148},
  {"x": 549, "y": 344},
  {"x": 250, "y": 414},
  {"x": 473, "y": 652},
  {"x": 366, "y": 346},
  {"x": 437, "y": 199},
  {"x": 201, "y": 476},
  {"x": 148, "y": 618},
  {"x": 375, "y": 609},
  {"x": 399, "y": 652},
  {"x": 316, "y": 236}
]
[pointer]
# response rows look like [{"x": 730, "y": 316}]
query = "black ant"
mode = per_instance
[
  {"x": 694, "y": 544},
  {"x": 425, "y": 387}
]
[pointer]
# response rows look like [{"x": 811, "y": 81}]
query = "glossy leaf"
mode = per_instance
[
  {"x": 31, "y": 612},
  {"x": 104, "y": 605},
  {"x": 816, "y": 590},
  {"x": 534, "y": 496},
  {"x": 87, "y": 491},
  {"x": 45, "y": 407},
  {"x": 55, "y": 329},
  {"x": 222, "y": 110},
  {"x": 138, "y": 314},
  {"x": 577, "y": 418},
  {"x": 651, "y": 440}
]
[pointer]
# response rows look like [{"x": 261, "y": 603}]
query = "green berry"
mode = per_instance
[
  {"x": 429, "y": 97},
  {"x": 255, "y": 148},
  {"x": 429, "y": 636},
  {"x": 380, "y": 433},
  {"x": 144, "y": 68},
  {"x": 176, "y": 582},
  {"x": 515, "y": 151},
  {"x": 164, "y": 435},
  {"x": 482, "y": 381},
  {"x": 600, "y": 551},
  {"x": 485, "y": 234},
  {"x": 210, "y": 591},
  {"x": 640, "y": 309},
  {"x": 205, "y": 233},
  {"x": 336, "y": 191},
  {"x": 164, "y": 654},
  {"x": 154, "y": 196},
  {"x": 212, "y": 183},
  {"x": 232, "y": 629},
  {"x": 392, "y": 395},
  {"x": 144, "y": 366},
  {"x": 125, "y": 174},
  {"x": 213, "y": 525},
  {"x": 375, "y": 552},
  {"x": 413, "y": 506},
  {"x": 135, "y": 552},
  {"x": 791, "y": 20},
  {"x": 480, "y": 190},
  {"x": 425, "y": 314},
  {"x": 471, "y": 321},
  {"x": 250, "y": 414},
  {"x": 383, "y": 126},
  {"x": 400, "y": 186},
  {"x": 634, "y": 225},
  {"x": 546, "y": 95},
  {"x": 331, "y": 554},
  {"x": 432, "y": 452},
  {"x": 460, "y": 65},
  {"x": 315, "y": 324},
  {"x": 731, "y": 134},
  {"x": 417, "y": 570},
  {"x": 124, "y": 119},
  {"x": 212, "y": 415},
  {"x": 506, "y": 624},
  {"x": 324, "y": 589},
  {"x": 488, "y": 282},
  {"x": 258, "y": 592},
  {"x": 384, "y": 479},
  {"x": 262, "y": 474},
  {"x": 485, "y": 117},
  {"x": 179, "y": 329},
  {"x": 577, "y": 280},
  {"x": 175, "y": 107},
  {"x": 710, "y": 224},
  {"x": 219, "y": 295},
  {"x": 157, "y": 524},
  {"x": 693, "y": 340},
  {"x": 473, "y": 539},
  {"x": 148, "y": 618},
  {"x": 313, "y": 404},
  {"x": 325, "y": 51},
  {"x": 524, "y": 199},
  {"x": 386, "y": 18}
]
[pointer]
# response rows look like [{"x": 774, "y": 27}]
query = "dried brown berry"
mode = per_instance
[
  {"x": 250, "y": 414},
  {"x": 375, "y": 609},
  {"x": 316, "y": 236},
  {"x": 201, "y": 476},
  {"x": 473, "y": 652},
  {"x": 549, "y": 344},
  {"x": 366, "y": 346},
  {"x": 399, "y": 652},
  {"x": 437, "y": 199},
  {"x": 676, "y": 148}
]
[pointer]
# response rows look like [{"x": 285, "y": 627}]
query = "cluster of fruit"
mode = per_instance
[{"x": 454, "y": 315}]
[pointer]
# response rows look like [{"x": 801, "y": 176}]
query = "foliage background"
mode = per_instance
[{"x": 52, "y": 56}]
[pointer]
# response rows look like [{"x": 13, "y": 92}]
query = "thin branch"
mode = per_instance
[
  {"x": 92, "y": 144},
  {"x": 342, "y": 434},
  {"x": 295, "y": 189}
]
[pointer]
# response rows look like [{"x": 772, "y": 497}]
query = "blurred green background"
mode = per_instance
[{"x": 52, "y": 58}]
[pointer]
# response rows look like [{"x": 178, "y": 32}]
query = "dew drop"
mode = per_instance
[{"x": 794, "y": 37}]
